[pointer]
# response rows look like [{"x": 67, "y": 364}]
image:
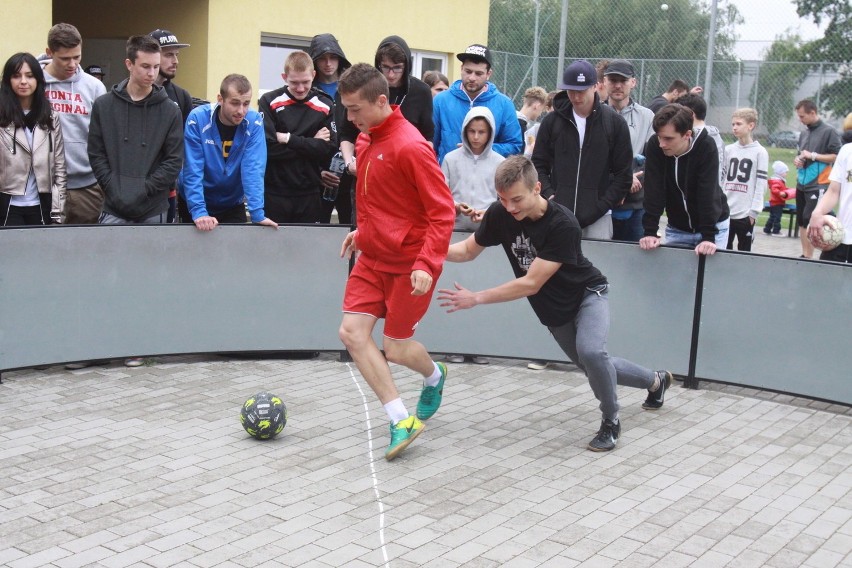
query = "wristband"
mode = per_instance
[{"x": 813, "y": 156}]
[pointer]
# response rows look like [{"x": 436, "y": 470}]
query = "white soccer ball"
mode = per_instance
[
  {"x": 664, "y": 7},
  {"x": 831, "y": 235}
]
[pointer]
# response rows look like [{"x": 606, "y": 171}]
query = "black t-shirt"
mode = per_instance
[
  {"x": 554, "y": 237},
  {"x": 226, "y": 133}
]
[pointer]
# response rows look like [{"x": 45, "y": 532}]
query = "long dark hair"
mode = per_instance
[{"x": 11, "y": 111}]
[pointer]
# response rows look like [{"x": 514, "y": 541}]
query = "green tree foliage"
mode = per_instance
[
  {"x": 630, "y": 29},
  {"x": 835, "y": 47},
  {"x": 608, "y": 29},
  {"x": 773, "y": 94}
]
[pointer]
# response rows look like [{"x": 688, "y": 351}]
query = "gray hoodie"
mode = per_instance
[
  {"x": 471, "y": 177},
  {"x": 72, "y": 100}
]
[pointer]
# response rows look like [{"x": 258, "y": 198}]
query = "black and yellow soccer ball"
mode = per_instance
[{"x": 263, "y": 415}]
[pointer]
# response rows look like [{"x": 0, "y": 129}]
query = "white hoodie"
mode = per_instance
[
  {"x": 471, "y": 177},
  {"x": 72, "y": 101}
]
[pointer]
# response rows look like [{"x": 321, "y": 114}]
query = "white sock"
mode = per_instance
[
  {"x": 396, "y": 410},
  {"x": 435, "y": 378},
  {"x": 656, "y": 385}
]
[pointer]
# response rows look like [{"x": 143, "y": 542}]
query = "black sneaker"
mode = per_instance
[
  {"x": 655, "y": 398},
  {"x": 606, "y": 437}
]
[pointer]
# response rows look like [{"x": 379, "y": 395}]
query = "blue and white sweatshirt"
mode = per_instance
[
  {"x": 450, "y": 107},
  {"x": 210, "y": 184},
  {"x": 470, "y": 177}
]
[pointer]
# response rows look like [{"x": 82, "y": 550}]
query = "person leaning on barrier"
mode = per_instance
[
  {"x": 682, "y": 178},
  {"x": 225, "y": 159}
]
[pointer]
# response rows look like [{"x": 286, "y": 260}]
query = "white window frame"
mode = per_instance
[
  {"x": 417, "y": 56},
  {"x": 282, "y": 45}
]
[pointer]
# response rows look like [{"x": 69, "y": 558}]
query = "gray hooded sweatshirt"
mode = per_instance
[
  {"x": 471, "y": 177},
  {"x": 72, "y": 99}
]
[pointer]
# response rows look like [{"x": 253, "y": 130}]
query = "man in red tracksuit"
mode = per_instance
[{"x": 405, "y": 219}]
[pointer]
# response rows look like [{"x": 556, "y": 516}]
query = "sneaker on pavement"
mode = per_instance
[
  {"x": 430, "y": 397},
  {"x": 455, "y": 358},
  {"x": 480, "y": 360},
  {"x": 403, "y": 433},
  {"x": 134, "y": 362},
  {"x": 607, "y": 437},
  {"x": 537, "y": 365},
  {"x": 85, "y": 364},
  {"x": 655, "y": 398}
]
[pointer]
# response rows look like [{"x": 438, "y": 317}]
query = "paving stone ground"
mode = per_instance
[{"x": 109, "y": 466}]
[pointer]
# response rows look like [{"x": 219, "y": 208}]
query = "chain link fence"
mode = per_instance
[{"x": 670, "y": 41}]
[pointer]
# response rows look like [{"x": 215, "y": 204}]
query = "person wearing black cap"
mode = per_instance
[
  {"x": 583, "y": 154},
  {"x": 169, "y": 47},
  {"x": 474, "y": 89},
  {"x": 619, "y": 80},
  {"x": 95, "y": 71}
]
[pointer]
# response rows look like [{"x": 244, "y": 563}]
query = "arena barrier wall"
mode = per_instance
[{"x": 77, "y": 293}]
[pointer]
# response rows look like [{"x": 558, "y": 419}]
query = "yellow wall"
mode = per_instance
[
  {"x": 108, "y": 19},
  {"x": 447, "y": 26},
  {"x": 225, "y": 36},
  {"x": 24, "y": 28}
]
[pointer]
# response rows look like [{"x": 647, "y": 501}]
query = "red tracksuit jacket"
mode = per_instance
[{"x": 405, "y": 209}]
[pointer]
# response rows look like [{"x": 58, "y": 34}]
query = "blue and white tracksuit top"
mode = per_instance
[{"x": 208, "y": 183}]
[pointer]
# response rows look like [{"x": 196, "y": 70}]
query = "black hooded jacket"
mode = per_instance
[
  {"x": 320, "y": 45},
  {"x": 686, "y": 187},
  {"x": 413, "y": 96},
  {"x": 136, "y": 151},
  {"x": 590, "y": 180}
]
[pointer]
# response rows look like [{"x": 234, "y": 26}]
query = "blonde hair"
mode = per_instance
[
  {"x": 847, "y": 122},
  {"x": 535, "y": 94},
  {"x": 298, "y": 62},
  {"x": 747, "y": 114}
]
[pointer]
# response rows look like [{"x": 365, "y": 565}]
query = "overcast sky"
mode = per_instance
[{"x": 764, "y": 20}]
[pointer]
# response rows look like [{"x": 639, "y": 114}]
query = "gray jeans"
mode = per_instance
[
  {"x": 584, "y": 341},
  {"x": 109, "y": 219}
]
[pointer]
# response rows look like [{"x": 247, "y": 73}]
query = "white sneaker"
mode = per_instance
[
  {"x": 538, "y": 365},
  {"x": 455, "y": 358},
  {"x": 480, "y": 360},
  {"x": 134, "y": 362}
]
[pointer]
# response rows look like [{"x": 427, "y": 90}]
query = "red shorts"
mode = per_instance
[{"x": 386, "y": 295}]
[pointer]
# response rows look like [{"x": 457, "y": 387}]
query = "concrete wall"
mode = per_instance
[
  {"x": 225, "y": 37},
  {"x": 74, "y": 293}
]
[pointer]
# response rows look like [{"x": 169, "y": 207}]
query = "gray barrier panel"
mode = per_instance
[
  {"x": 652, "y": 302},
  {"x": 72, "y": 293},
  {"x": 76, "y": 293},
  {"x": 777, "y": 323}
]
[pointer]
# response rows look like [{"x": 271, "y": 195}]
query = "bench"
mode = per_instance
[{"x": 789, "y": 209}]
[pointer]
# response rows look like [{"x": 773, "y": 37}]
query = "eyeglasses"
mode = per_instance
[{"x": 395, "y": 70}]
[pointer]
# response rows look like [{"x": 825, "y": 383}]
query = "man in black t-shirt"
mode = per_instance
[{"x": 567, "y": 293}]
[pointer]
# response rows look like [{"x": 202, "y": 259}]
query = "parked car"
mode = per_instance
[{"x": 783, "y": 139}]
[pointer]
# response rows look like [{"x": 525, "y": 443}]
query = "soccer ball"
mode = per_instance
[
  {"x": 831, "y": 237},
  {"x": 263, "y": 416}
]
